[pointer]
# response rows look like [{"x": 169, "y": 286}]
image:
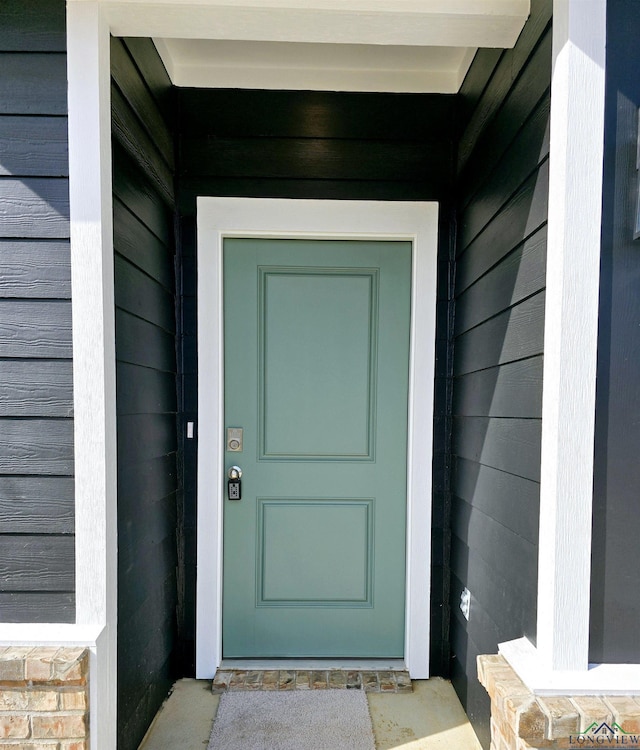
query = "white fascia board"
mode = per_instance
[
  {"x": 291, "y": 79},
  {"x": 492, "y": 23},
  {"x": 441, "y": 7},
  {"x": 597, "y": 679},
  {"x": 48, "y": 634},
  {"x": 571, "y": 334}
]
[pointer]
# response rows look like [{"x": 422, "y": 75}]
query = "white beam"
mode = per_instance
[
  {"x": 571, "y": 330},
  {"x": 460, "y": 23}
]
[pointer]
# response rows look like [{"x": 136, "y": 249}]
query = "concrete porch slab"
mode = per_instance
[{"x": 429, "y": 718}]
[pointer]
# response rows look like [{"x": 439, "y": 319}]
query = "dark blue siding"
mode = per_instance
[
  {"x": 148, "y": 486},
  {"x": 502, "y": 187},
  {"x": 615, "y": 597},
  {"x": 37, "y": 567}
]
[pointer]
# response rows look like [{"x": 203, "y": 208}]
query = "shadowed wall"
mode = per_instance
[
  {"x": 502, "y": 189},
  {"x": 148, "y": 482}
]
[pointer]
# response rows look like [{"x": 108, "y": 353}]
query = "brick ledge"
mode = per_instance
[
  {"x": 521, "y": 720},
  {"x": 44, "y": 698}
]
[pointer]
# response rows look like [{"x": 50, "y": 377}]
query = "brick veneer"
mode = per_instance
[
  {"x": 522, "y": 721},
  {"x": 44, "y": 698}
]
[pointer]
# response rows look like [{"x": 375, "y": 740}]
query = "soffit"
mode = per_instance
[
  {"x": 348, "y": 45},
  {"x": 314, "y": 66}
]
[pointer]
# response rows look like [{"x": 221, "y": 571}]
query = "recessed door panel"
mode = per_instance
[
  {"x": 318, "y": 335},
  {"x": 335, "y": 532}
]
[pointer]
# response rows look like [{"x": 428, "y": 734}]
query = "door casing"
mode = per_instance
[{"x": 415, "y": 221}]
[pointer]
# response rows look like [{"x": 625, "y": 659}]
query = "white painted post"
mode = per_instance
[
  {"x": 88, "y": 69},
  {"x": 571, "y": 328}
]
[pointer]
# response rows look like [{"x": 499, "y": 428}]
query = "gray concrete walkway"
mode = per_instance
[{"x": 430, "y": 718}]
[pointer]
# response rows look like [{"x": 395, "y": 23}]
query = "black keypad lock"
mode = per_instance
[{"x": 234, "y": 490}]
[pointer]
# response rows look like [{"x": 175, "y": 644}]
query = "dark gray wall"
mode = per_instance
[
  {"x": 615, "y": 595},
  {"x": 502, "y": 187},
  {"x": 317, "y": 145},
  {"x": 148, "y": 486},
  {"x": 36, "y": 392}
]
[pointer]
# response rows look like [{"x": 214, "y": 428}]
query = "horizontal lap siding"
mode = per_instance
[
  {"x": 615, "y": 595},
  {"x": 498, "y": 344},
  {"x": 146, "y": 388},
  {"x": 323, "y": 145},
  {"x": 37, "y": 567}
]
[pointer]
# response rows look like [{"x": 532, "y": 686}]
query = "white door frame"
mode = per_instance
[{"x": 245, "y": 217}]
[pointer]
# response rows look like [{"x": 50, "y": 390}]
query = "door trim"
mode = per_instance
[{"x": 314, "y": 219}]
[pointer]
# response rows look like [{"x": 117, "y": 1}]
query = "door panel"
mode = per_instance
[
  {"x": 299, "y": 530},
  {"x": 316, "y": 374},
  {"x": 306, "y": 312}
]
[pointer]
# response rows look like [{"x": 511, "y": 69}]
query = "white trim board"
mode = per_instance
[
  {"x": 346, "y": 665},
  {"x": 597, "y": 679},
  {"x": 457, "y": 23},
  {"x": 228, "y": 217},
  {"x": 571, "y": 334},
  {"x": 94, "y": 394},
  {"x": 323, "y": 45}
]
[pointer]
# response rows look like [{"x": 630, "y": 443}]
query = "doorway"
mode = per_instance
[{"x": 265, "y": 588}]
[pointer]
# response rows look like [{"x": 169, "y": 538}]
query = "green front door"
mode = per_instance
[{"x": 316, "y": 375}]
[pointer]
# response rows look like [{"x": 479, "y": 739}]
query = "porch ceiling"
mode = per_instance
[
  {"x": 314, "y": 66},
  {"x": 347, "y": 45}
]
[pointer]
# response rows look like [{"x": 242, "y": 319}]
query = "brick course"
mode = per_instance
[
  {"x": 44, "y": 698},
  {"x": 521, "y": 720},
  {"x": 255, "y": 679}
]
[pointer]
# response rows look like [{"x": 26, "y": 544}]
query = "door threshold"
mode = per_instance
[{"x": 347, "y": 665}]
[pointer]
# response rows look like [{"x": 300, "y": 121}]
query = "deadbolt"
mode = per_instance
[{"x": 234, "y": 439}]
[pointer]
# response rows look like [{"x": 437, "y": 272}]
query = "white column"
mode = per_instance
[
  {"x": 93, "y": 349},
  {"x": 571, "y": 328}
]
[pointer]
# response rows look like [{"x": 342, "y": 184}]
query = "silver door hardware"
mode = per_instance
[
  {"x": 234, "y": 439},
  {"x": 189, "y": 430},
  {"x": 233, "y": 485}
]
